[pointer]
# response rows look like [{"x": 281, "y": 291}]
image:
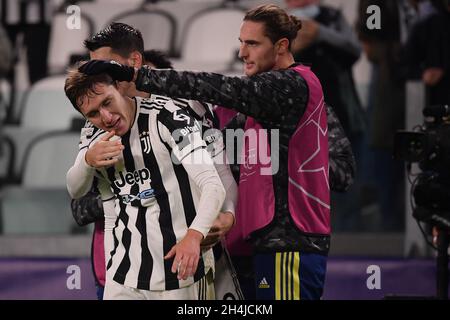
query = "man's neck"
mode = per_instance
[
  {"x": 132, "y": 109},
  {"x": 284, "y": 62}
]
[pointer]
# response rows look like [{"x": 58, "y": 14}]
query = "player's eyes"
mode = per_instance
[
  {"x": 106, "y": 103},
  {"x": 92, "y": 114}
]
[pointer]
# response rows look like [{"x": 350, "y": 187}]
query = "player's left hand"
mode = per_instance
[
  {"x": 219, "y": 229},
  {"x": 187, "y": 254}
]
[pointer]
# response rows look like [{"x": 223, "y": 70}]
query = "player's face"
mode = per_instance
[
  {"x": 256, "y": 50},
  {"x": 107, "y": 109}
]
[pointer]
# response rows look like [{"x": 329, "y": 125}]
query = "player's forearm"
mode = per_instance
[
  {"x": 212, "y": 192},
  {"x": 80, "y": 176},
  {"x": 268, "y": 96},
  {"x": 110, "y": 221},
  {"x": 229, "y": 184}
]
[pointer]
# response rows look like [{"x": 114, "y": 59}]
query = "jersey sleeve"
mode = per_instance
[
  {"x": 278, "y": 98},
  {"x": 212, "y": 192},
  {"x": 88, "y": 134},
  {"x": 341, "y": 159},
  {"x": 80, "y": 176},
  {"x": 181, "y": 132}
]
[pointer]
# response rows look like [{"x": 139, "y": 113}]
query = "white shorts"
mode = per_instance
[{"x": 201, "y": 290}]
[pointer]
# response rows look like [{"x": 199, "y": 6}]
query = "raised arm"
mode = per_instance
[
  {"x": 101, "y": 154},
  {"x": 274, "y": 97},
  {"x": 80, "y": 176},
  {"x": 271, "y": 97}
]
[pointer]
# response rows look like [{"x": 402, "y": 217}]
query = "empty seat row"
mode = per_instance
[
  {"x": 210, "y": 34},
  {"x": 40, "y": 204}
]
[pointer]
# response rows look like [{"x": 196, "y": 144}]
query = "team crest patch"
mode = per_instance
[{"x": 145, "y": 142}]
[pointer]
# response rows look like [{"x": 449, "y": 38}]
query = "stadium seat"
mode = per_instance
[
  {"x": 7, "y": 159},
  {"x": 5, "y": 100},
  {"x": 158, "y": 27},
  {"x": 35, "y": 211},
  {"x": 206, "y": 39},
  {"x": 46, "y": 106},
  {"x": 41, "y": 204},
  {"x": 47, "y": 159},
  {"x": 65, "y": 42}
]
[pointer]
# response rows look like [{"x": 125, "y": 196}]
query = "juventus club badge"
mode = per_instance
[{"x": 145, "y": 142}]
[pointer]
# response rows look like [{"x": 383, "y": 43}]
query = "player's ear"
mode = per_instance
[
  {"x": 282, "y": 45},
  {"x": 135, "y": 59}
]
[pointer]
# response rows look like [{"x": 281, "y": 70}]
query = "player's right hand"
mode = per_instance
[{"x": 104, "y": 153}]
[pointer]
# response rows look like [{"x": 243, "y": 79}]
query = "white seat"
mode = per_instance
[
  {"x": 21, "y": 138},
  {"x": 35, "y": 211},
  {"x": 212, "y": 35},
  {"x": 7, "y": 158},
  {"x": 5, "y": 99},
  {"x": 48, "y": 159},
  {"x": 158, "y": 27},
  {"x": 46, "y": 105},
  {"x": 64, "y": 41},
  {"x": 102, "y": 11}
]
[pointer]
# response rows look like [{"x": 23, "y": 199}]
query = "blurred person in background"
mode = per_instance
[
  {"x": 330, "y": 45},
  {"x": 428, "y": 50},
  {"x": 428, "y": 54},
  {"x": 386, "y": 104}
]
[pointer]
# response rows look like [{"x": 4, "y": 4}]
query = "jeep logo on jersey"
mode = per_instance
[{"x": 131, "y": 178}]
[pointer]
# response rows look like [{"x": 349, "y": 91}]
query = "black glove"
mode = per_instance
[
  {"x": 114, "y": 69},
  {"x": 87, "y": 209}
]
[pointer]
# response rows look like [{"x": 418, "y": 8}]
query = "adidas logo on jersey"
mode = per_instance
[{"x": 264, "y": 284}]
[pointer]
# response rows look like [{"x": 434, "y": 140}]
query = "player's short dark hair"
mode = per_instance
[
  {"x": 277, "y": 23},
  {"x": 78, "y": 84},
  {"x": 158, "y": 59},
  {"x": 120, "y": 37}
]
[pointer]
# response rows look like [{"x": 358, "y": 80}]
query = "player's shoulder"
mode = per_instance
[
  {"x": 175, "y": 118},
  {"x": 151, "y": 104}
]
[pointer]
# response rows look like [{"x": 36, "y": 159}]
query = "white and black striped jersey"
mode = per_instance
[
  {"x": 204, "y": 114},
  {"x": 156, "y": 200}
]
